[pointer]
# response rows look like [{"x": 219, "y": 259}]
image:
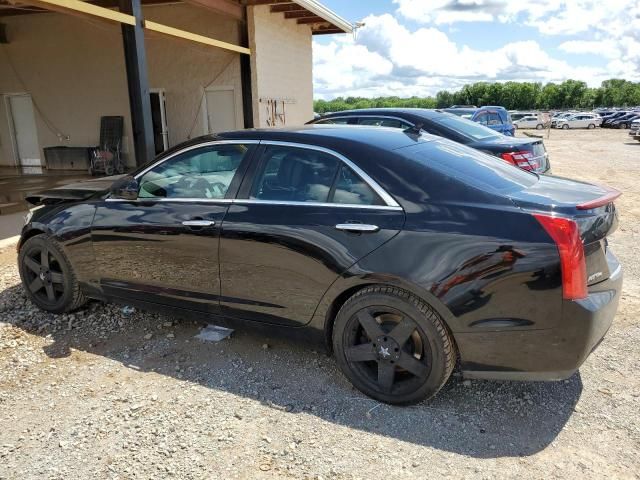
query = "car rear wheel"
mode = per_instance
[
  {"x": 392, "y": 345},
  {"x": 539, "y": 126},
  {"x": 565, "y": 127},
  {"x": 47, "y": 276}
]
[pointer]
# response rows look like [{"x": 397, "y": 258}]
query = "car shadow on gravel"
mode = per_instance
[{"x": 475, "y": 418}]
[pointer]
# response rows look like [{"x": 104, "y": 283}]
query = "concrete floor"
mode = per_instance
[{"x": 14, "y": 187}]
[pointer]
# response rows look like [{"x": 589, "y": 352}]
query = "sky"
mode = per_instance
[{"x": 418, "y": 47}]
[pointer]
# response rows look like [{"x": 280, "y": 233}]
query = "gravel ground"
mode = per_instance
[{"x": 106, "y": 394}]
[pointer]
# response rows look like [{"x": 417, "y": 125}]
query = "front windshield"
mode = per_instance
[{"x": 470, "y": 129}]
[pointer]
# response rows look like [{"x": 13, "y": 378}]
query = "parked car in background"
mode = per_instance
[
  {"x": 634, "y": 130},
  {"x": 582, "y": 120},
  {"x": 526, "y": 153},
  {"x": 609, "y": 119},
  {"x": 529, "y": 121},
  {"x": 404, "y": 253},
  {"x": 559, "y": 116},
  {"x": 625, "y": 120},
  {"x": 516, "y": 115},
  {"x": 495, "y": 117}
]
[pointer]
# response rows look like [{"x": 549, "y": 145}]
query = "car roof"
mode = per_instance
[
  {"x": 423, "y": 112},
  {"x": 328, "y": 135}
]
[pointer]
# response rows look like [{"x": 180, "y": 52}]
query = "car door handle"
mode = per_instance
[
  {"x": 198, "y": 223},
  {"x": 357, "y": 227}
]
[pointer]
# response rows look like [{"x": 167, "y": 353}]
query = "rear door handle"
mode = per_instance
[
  {"x": 357, "y": 227},
  {"x": 198, "y": 223}
]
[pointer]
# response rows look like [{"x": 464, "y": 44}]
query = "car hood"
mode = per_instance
[{"x": 73, "y": 191}]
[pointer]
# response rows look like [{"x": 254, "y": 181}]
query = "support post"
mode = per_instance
[
  {"x": 137, "y": 82},
  {"x": 245, "y": 74}
]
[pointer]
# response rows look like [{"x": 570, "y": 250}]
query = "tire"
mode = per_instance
[
  {"x": 51, "y": 284},
  {"x": 392, "y": 346},
  {"x": 539, "y": 126},
  {"x": 623, "y": 125},
  {"x": 591, "y": 126},
  {"x": 108, "y": 170},
  {"x": 565, "y": 126}
]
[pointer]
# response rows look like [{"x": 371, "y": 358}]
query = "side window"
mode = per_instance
[
  {"x": 333, "y": 121},
  {"x": 202, "y": 173},
  {"x": 483, "y": 118},
  {"x": 351, "y": 189},
  {"x": 295, "y": 175},
  {"x": 383, "y": 122},
  {"x": 493, "y": 119}
]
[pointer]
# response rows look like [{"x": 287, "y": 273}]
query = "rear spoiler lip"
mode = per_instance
[{"x": 610, "y": 195}]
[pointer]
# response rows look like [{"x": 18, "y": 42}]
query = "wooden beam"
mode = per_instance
[
  {"x": 78, "y": 7},
  {"x": 193, "y": 37},
  {"x": 314, "y": 19},
  {"x": 224, "y": 7},
  {"x": 287, "y": 7},
  {"x": 264, "y": 2},
  {"x": 299, "y": 14},
  {"x": 326, "y": 31}
]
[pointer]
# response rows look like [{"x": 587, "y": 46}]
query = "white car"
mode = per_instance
[
  {"x": 584, "y": 120},
  {"x": 530, "y": 121}
]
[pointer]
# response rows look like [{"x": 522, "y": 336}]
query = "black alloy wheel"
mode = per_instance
[
  {"x": 392, "y": 345},
  {"x": 47, "y": 276}
]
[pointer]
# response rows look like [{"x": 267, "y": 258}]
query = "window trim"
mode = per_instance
[
  {"x": 360, "y": 115},
  {"x": 389, "y": 201},
  {"x": 180, "y": 152}
]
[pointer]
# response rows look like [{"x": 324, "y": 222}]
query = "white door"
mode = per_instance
[
  {"x": 23, "y": 125},
  {"x": 221, "y": 109}
]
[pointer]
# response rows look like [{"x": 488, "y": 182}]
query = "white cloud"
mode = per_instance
[{"x": 389, "y": 59}]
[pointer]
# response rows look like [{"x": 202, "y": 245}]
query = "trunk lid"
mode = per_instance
[{"x": 590, "y": 206}]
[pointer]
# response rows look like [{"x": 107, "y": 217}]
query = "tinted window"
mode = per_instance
[
  {"x": 203, "y": 173},
  {"x": 383, "y": 122},
  {"x": 470, "y": 166},
  {"x": 333, "y": 121},
  {"x": 295, "y": 175},
  {"x": 351, "y": 189},
  {"x": 467, "y": 128}
]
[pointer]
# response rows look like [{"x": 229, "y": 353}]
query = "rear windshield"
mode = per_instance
[
  {"x": 469, "y": 129},
  {"x": 474, "y": 168}
]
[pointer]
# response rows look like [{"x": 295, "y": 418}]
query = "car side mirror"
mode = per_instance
[{"x": 125, "y": 188}]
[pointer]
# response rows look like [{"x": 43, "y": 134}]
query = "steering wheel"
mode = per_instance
[
  {"x": 221, "y": 187},
  {"x": 191, "y": 185}
]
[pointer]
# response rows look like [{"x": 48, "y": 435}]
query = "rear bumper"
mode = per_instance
[{"x": 550, "y": 354}]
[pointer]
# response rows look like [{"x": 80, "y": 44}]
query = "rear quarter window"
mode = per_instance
[{"x": 469, "y": 166}]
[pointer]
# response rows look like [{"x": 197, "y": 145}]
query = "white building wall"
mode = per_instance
[
  {"x": 74, "y": 70},
  {"x": 281, "y": 68}
]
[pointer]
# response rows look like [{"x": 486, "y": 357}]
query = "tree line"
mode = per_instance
[{"x": 511, "y": 95}]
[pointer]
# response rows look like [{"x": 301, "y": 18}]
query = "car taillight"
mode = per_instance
[
  {"x": 523, "y": 159},
  {"x": 566, "y": 234}
]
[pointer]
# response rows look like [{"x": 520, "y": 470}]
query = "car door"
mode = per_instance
[
  {"x": 303, "y": 216},
  {"x": 163, "y": 246}
]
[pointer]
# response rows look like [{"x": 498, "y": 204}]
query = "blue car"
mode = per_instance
[{"x": 494, "y": 117}]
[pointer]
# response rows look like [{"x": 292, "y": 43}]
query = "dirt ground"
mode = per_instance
[{"x": 108, "y": 394}]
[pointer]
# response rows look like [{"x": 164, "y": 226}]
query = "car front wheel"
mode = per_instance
[
  {"x": 539, "y": 126},
  {"x": 47, "y": 276},
  {"x": 392, "y": 346},
  {"x": 565, "y": 127}
]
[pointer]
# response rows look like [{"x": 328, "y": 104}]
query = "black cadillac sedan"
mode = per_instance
[
  {"x": 526, "y": 153},
  {"x": 402, "y": 251}
]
